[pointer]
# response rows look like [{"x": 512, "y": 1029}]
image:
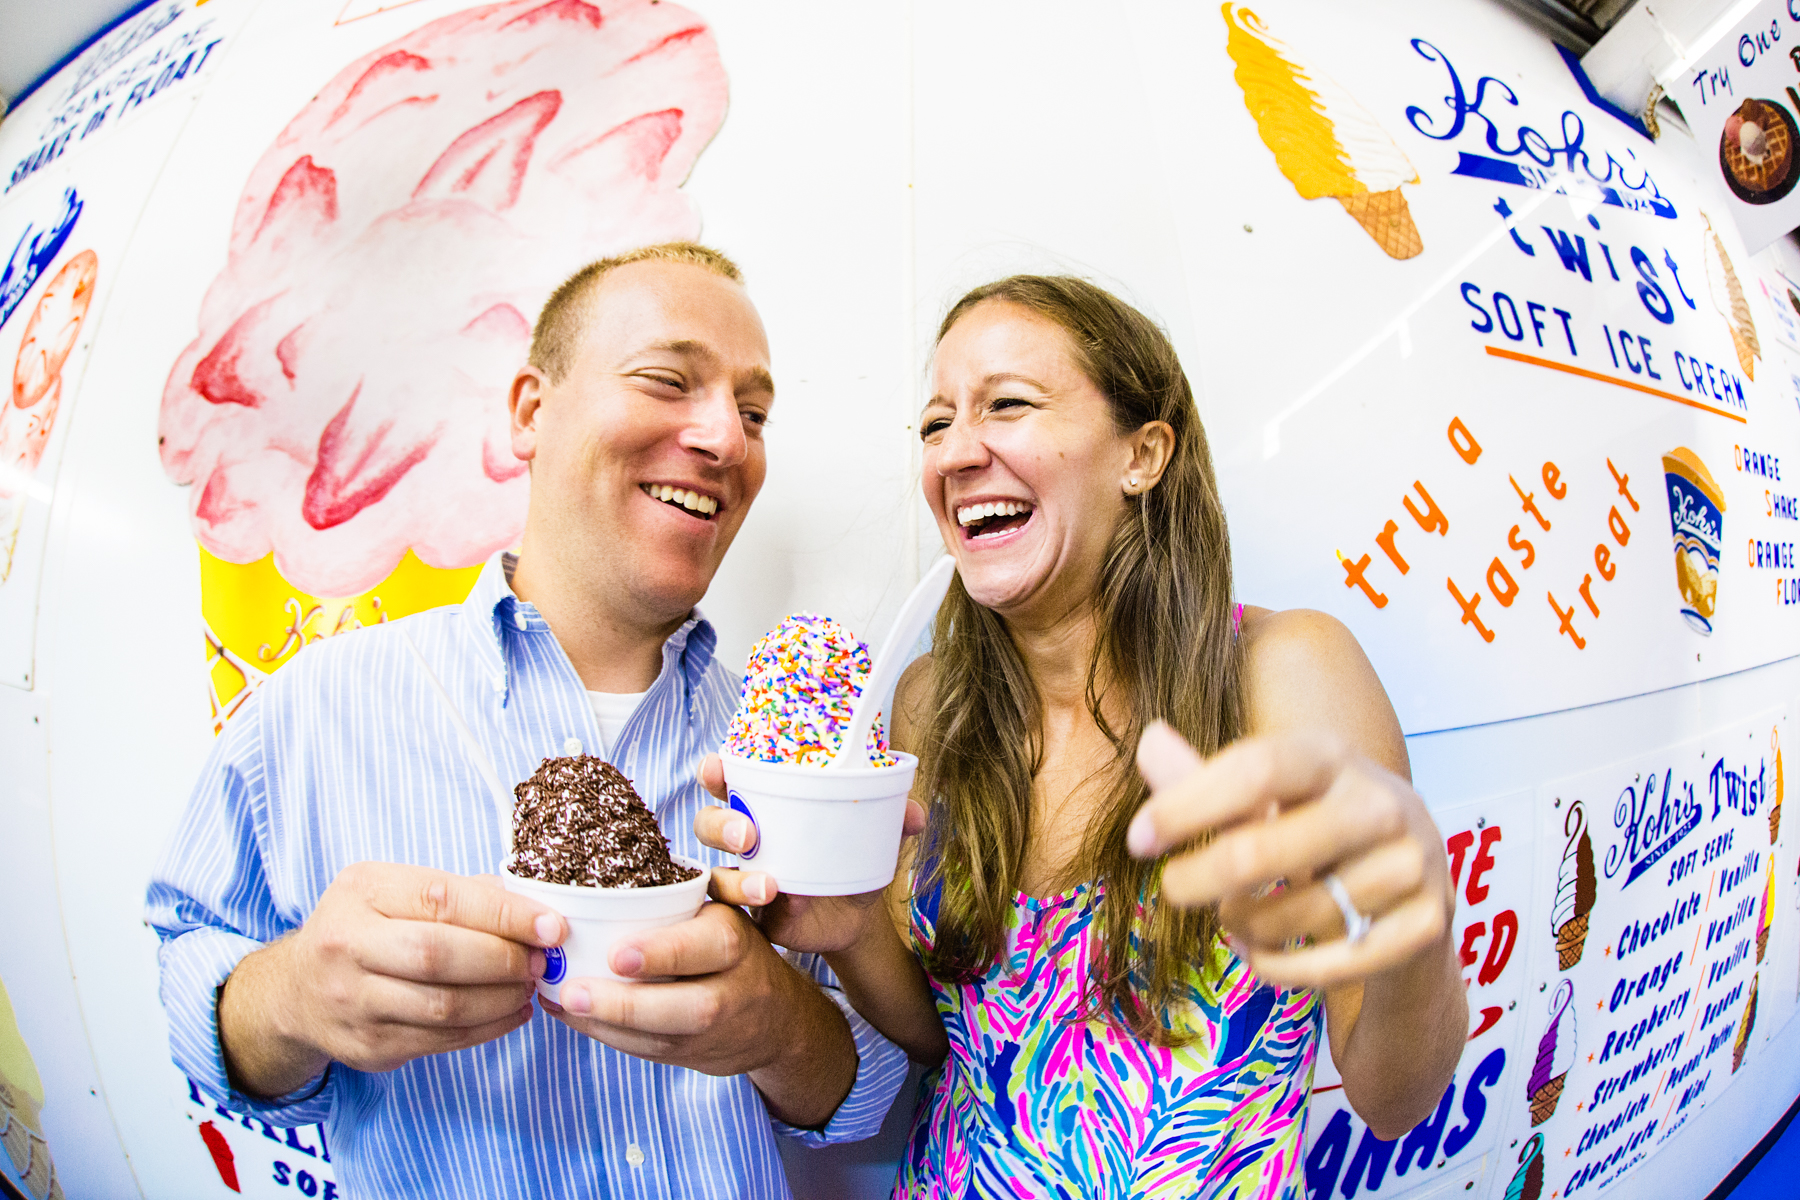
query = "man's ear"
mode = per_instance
[
  {"x": 1152, "y": 448},
  {"x": 523, "y": 403}
]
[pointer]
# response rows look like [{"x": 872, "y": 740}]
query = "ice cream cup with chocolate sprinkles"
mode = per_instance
[{"x": 585, "y": 844}]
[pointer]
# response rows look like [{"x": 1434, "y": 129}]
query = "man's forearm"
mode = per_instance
[
  {"x": 1405, "y": 1041},
  {"x": 812, "y": 1077},
  {"x": 262, "y": 1057}
]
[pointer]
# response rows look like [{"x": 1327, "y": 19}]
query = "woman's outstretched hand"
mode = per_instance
[
  {"x": 1286, "y": 812},
  {"x": 809, "y": 924}
]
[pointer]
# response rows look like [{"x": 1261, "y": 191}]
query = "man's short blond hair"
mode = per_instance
[{"x": 558, "y": 330}]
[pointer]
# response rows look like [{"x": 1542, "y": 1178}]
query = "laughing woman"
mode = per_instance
[{"x": 1166, "y": 837}]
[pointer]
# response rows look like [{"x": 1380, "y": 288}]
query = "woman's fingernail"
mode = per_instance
[
  {"x": 737, "y": 833},
  {"x": 575, "y": 999},
  {"x": 1140, "y": 835},
  {"x": 548, "y": 927},
  {"x": 538, "y": 962},
  {"x": 627, "y": 960},
  {"x": 1162, "y": 755},
  {"x": 759, "y": 888}
]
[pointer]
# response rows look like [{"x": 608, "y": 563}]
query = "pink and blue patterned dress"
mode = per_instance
[{"x": 1035, "y": 1101}]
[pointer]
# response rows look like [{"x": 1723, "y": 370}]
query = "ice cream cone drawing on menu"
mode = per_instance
[
  {"x": 1574, "y": 889},
  {"x": 1746, "y": 1023},
  {"x": 1697, "y": 523},
  {"x": 1775, "y": 808},
  {"x": 1765, "y": 913},
  {"x": 1728, "y": 298},
  {"x": 1527, "y": 1182},
  {"x": 1326, "y": 143},
  {"x": 28, "y": 414},
  {"x": 1555, "y": 1055},
  {"x": 21, "y": 1101}
]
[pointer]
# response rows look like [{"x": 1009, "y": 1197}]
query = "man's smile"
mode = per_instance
[{"x": 694, "y": 503}]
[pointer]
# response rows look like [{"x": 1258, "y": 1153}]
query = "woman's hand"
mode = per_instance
[
  {"x": 809, "y": 924},
  {"x": 1295, "y": 810}
]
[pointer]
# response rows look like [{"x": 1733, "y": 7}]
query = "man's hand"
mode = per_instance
[
  {"x": 395, "y": 962},
  {"x": 732, "y": 1005}
]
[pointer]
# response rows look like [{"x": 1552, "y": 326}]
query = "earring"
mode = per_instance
[{"x": 1131, "y": 485}]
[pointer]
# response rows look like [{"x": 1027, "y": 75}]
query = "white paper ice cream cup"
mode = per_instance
[
  {"x": 820, "y": 832},
  {"x": 598, "y": 917}
]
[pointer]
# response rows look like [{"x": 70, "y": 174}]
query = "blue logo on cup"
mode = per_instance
[
  {"x": 738, "y": 805},
  {"x": 556, "y": 965}
]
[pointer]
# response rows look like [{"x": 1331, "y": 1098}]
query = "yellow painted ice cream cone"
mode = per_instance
[
  {"x": 1745, "y": 1024},
  {"x": 1728, "y": 297},
  {"x": 1325, "y": 142},
  {"x": 21, "y": 1102},
  {"x": 256, "y": 621}
]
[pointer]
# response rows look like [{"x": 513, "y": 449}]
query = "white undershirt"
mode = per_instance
[{"x": 612, "y": 710}]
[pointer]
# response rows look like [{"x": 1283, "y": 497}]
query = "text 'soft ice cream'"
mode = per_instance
[
  {"x": 800, "y": 691},
  {"x": 346, "y": 396}
]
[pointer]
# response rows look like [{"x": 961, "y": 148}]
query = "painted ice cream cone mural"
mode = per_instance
[
  {"x": 1528, "y": 1181},
  {"x": 21, "y": 1099},
  {"x": 1746, "y": 1023},
  {"x": 1323, "y": 140},
  {"x": 28, "y": 414},
  {"x": 1775, "y": 808},
  {"x": 1574, "y": 889},
  {"x": 1765, "y": 915},
  {"x": 343, "y": 408},
  {"x": 1697, "y": 523},
  {"x": 1555, "y": 1055},
  {"x": 1728, "y": 298}
]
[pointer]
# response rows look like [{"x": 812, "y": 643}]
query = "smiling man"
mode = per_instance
[{"x": 331, "y": 951}]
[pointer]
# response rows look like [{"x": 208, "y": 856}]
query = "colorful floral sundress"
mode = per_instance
[{"x": 1035, "y": 1101}]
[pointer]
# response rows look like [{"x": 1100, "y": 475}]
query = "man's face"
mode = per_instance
[{"x": 667, "y": 395}]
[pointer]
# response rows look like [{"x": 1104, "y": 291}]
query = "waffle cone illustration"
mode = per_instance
[
  {"x": 1775, "y": 808},
  {"x": 256, "y": 621},
  {"x": 1528, "y": 1181},
  {"x": 1728, "y": 297},
  {"x": 1325, "y": 142},
  {"x": 1697, "y": 524},
  {"x": 21, "y": 1101},
  {"x": 1555, "y": 1055},
  {"x": 1574, "y": 889},
  {"x": 1765, "y": 915},
  {"x": 1745, "y": 1024}
]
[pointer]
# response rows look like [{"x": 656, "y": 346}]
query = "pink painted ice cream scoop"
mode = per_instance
[{"x": 346, "y": 396}]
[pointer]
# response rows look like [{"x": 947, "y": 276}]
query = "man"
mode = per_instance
[{"x": 329, "y": 952}]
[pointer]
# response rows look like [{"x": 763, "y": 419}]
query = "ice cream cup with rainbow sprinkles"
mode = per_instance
[{"x": 818, "y": 832}]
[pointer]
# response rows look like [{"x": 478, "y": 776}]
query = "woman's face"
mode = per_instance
[{"x": 1024, "y": 469}]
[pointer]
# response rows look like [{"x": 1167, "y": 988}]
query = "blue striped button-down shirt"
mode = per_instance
[{"x": 347, "y": 755}]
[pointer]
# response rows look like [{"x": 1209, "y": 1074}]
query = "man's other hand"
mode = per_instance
[{"x": 395, "y": 962}]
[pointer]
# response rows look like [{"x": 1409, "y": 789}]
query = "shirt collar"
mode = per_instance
[{"x": 492, "y": 608}]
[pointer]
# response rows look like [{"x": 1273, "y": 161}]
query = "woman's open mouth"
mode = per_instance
[
  {"x": 694, "y": 504},
  {"x": 996, "y": 517}
]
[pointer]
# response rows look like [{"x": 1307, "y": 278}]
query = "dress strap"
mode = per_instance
[{"x": 1237, "y": 619}]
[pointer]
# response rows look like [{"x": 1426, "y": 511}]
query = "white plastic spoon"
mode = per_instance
[{"x": 915, "y": 614}]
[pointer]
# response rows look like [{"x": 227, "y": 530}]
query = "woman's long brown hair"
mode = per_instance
[{"x": 1166, "y": 648}]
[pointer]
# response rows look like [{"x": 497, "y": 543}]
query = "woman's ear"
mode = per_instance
[
  {"x": 1152, "y": 447},
  {"x": 522, "y": 405}
]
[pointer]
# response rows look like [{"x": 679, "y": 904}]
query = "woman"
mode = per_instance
[{"x": 1123, "y": 966}]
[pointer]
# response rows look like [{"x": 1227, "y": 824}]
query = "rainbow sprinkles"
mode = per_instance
[{"x": 800, "y": 691}]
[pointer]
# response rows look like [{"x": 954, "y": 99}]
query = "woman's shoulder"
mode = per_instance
[
  {"x": 910, "y": 697},
  {"x": 1304, "y": 669}
]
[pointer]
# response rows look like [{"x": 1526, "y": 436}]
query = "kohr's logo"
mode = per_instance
[
  {"x": 556, "y": 965},
  {"x": 738, "y": 805}
]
